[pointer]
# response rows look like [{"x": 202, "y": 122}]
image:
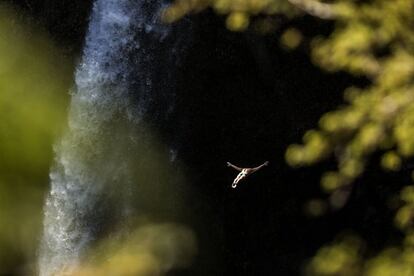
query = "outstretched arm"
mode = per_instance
[
  {"x": 234, "y": 167},
  {"x": 261, "y": 166}
]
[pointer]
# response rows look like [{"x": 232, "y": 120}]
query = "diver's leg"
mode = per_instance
[{"x": 236, "y": 180}]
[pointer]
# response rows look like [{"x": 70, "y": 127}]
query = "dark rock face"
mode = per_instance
[
  {"x": 245, "y": 100},
  {"x": 65, "y": 20}
]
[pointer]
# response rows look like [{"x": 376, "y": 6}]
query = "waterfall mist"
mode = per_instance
[{"x": 110, "y": 166}]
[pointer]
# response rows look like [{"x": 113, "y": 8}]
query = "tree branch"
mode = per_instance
[{"x": 315, "y": 8}]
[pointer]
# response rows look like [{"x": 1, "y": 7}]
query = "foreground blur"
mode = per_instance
[
  {"x": 34, "y": 76},
  {"x": 152, "y": 249}
]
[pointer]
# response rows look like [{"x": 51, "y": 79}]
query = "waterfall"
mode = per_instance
[{"x": 125, "y": 77}]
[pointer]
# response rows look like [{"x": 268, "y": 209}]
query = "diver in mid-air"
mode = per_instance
[{"x": 244, "y": 172}]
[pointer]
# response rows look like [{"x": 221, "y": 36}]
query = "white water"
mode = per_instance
[{"x": 92, "y": 157}]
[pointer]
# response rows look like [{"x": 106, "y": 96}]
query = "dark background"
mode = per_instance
[{"x": 245, "y": 99}]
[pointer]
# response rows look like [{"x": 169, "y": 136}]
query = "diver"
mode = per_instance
[{"x": 244, "y": 172}]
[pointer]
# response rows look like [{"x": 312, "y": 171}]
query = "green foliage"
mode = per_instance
[
  {"x": 373, "y": 39},
  {"x": 150, "y": 249},
  {"x": 341, "y": 258},
  {"x": 34, "y": 78},
  {"x": 345, "y": 257},
  {"x": 238, "y": 13},
  {"x": 380, "y": 116}
]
